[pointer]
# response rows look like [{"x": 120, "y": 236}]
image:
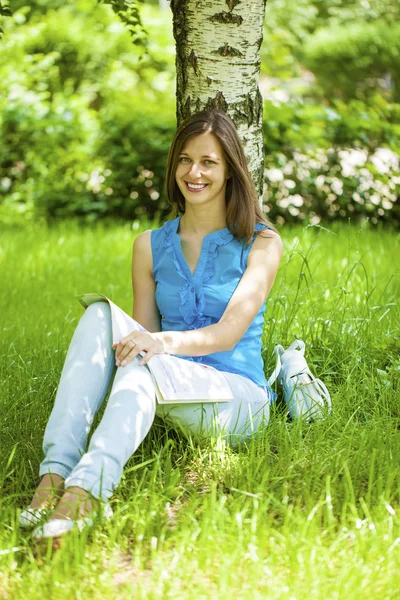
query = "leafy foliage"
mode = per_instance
[
  {"x": 128, "y": 12},
  {"x": 304, "y": 125},
  {"x": 348, "y": 59},
  {"x": 350, "y": 47},
  {"x": 81, "y": 123},
  {"x": 86, "y": 120},
  {"x": 4, "y": 12}
]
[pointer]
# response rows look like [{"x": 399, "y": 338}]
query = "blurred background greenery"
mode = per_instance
[{"x": 86, "y": 116}]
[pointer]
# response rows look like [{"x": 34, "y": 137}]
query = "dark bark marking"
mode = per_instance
[
  {"x": 193, "y": 61},
  {"x": 248, "y": 111},
  {"x": 186, "y": 112},
  {"x": 242, "y": 113},
  {"x": 217, "y": 102},
  {"x": 258, "y": 106},
  {"x": 231, "y": 4},
  {"x": 180, "y": 34},
  {"x": 228, "y": 50},
  {"x": 209, "y": 80},
  {"x": 226, "y": 18}
]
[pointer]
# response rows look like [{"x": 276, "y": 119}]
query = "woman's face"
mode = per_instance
[{"x": 202, "y": 170}]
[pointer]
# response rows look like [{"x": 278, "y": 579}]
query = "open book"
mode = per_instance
[{"x": 176, "y": 380}]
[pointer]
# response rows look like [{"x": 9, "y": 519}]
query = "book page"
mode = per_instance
[{"x": 176, "y": 379}]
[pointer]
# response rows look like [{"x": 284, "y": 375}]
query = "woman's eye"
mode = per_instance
[{"x": 186, "y": 159}]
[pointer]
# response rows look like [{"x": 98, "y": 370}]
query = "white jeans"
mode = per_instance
[{"x": 87, "y": 373}]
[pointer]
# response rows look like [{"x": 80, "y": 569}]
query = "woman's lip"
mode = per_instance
[{"x": 196, "y": 190}]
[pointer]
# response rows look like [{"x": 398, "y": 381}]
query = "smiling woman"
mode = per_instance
[
  {"x": 207, "y": 150},
  {"x": 200, "y": 284},
  {"x": 201, "y": 176}
]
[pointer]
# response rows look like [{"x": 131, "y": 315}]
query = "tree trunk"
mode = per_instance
[{"x": 218, "y": 65}]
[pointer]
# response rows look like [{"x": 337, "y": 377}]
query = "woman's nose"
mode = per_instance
[{"x": 195, "y": 171}]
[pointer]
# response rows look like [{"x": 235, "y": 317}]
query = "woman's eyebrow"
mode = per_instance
[{"x": 204, "y": 156}]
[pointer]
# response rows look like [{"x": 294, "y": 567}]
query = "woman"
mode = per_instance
[{"x": 200, "y": 283}]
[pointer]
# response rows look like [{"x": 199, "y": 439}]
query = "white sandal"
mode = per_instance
[
  {"x": 57, "y": 527},
  {"x": 30, "y": 517},
  {"x": 305, "y": 396}
]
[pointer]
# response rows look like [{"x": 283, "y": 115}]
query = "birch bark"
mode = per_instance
[{"x": 218, "y": 65}]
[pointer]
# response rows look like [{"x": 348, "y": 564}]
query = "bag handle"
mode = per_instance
[{"x": 279, "y": 350}]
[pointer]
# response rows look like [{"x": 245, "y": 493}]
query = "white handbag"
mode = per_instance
[{"x": 305, "y": 396}]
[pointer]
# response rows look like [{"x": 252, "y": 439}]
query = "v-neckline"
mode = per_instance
[{"x": 203, "y": 252}]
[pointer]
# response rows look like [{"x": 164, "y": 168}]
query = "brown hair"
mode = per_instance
[{"x": 242, "y": 206}]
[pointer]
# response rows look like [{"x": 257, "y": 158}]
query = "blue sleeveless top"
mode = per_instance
[{"x": 187, "y": 301}]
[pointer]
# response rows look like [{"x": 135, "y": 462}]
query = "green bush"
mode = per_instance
[
  {"x": 332, "y": 162},
  {"x": 86, "y": 120},
  {"x": 301, "y": 125},
  {"x": 333, "y": 184},
  {"x": 80, "y": 122},
  {"x": 353, "y": 59}
]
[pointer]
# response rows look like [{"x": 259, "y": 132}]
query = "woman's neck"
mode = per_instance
[{"x": 200, "y": 226}]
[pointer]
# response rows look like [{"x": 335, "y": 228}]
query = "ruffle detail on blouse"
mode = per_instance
[
  {"x": 170, "y": 249},
  {"x": 190, "y": 314},
  {"x": 192, "y": 300},
  {"x": 224, "y": 238}
]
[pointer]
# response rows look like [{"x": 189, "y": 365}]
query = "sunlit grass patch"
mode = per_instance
[{"x": 302, "y": 511}]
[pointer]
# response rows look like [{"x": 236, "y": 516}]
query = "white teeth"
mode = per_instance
[{"x": 196, "y": 186}]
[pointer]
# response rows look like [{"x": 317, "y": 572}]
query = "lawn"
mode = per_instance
[{"x": 305, "y": 511}]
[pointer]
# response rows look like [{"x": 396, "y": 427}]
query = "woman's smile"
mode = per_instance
[{"x": 195, "y": 187}]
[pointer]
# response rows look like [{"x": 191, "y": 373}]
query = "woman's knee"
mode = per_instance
[{"x": 97, "y": 313}]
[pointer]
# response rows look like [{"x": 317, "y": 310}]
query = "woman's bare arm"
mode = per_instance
[
  {"x": 145, "y": 310},
  {"x": 249, "y": 296}
]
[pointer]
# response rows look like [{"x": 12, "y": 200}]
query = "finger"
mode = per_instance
[
  {"x": 119, "y": 348},
  {"x": 127, "y": 349},
  {"x": 121, "y": 345},
  {"x": 146, "y": 358},
  {"x": 120, "y": 342},
  {"x": 131, "y": 356}
]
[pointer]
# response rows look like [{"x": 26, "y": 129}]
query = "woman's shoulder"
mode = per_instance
[
  {"x": 265, "y": 238},
  {"x": 152, "y": 241},
  {"x": 142, "y": 242},
  {"x": 264, "y": 230},
  {"x": 261, "y": 226}
]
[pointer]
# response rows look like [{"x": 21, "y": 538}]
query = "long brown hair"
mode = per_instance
[{"x": 242, "y": 206}]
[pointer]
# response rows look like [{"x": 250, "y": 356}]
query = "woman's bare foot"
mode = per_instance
[
  {"x": 49, "y": 490},
  {"x": 75, "y": 504}
]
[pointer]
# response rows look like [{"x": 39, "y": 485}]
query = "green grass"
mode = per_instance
[{"x": 305, "y": 511}]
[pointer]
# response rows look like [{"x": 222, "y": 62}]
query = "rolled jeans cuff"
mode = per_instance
[
  {"x": 57, "y": 469},
  {"x": 100, "y": 488}
]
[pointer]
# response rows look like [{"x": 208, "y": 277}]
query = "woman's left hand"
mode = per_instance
[{"x": 131, "y": 345}]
